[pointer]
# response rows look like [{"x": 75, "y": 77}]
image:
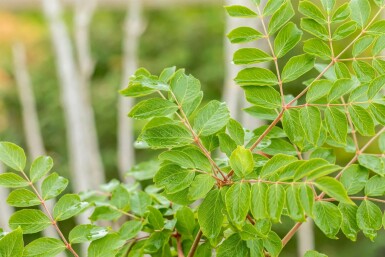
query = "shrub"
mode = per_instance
[{"x": 200, "y": 204}]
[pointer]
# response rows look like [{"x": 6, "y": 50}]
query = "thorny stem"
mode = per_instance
[{"x": 53, "y": 221}]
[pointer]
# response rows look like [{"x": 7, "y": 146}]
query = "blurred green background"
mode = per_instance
[{"x": 184, "y": 36}]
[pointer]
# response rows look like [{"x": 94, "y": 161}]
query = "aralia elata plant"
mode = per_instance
[{"x": 265, "y": 175}]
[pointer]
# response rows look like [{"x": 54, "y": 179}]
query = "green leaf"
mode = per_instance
[
  {"x": 333, "y": 188},
  {"x": 342, "y": 13},
  {"x": 369, "y": 219},
  {"x": 275, "y": 163},
  {"x": 139, "y": 201},
  {"x": 154, "y": 107},
  {"x": 354, "y": 179},
  {"x": 328, "y": 5},
  {"x": 297, "y": 66},
  {"x": 313, "y": 253},
  {"x": 173, "y": 178},
  {"x": 87, "y": 232},
  {"x": 256, "y": 77},
  {"x": 375, "y": 86},
  {"x": 380, "y": 3},
  {"x": 236, "y": 131},
  {"x": 276, "y": 200},
  {"x": 136, "y": 90},
  {"x": 210, "y": 215},
  {"x": 185, "y": 221},
  {"x": 349, "y": 222},
  {"x": 293, "y": 204},
  {"x": 273, "y": 244},
  {"x": 44, "y": 247},
  {"x": 233, "y": 246},
  {"x": 12, "y": 180},
  {"x": 105, "y": 213},
  {"x": 360, "y": 11},
  {"x": 377, "y": 28},
  {"x": 340, "y": 88},
  {"x": 314, "y": 28},
  {"x": 68, "y": 206},
  {"x": 374, "y": 163},
  {"x": 306, "y": 197},
  {"x": 167, "y": 74},
  {"x": 287, "y": 38},
  {"x": 381, "y": 142},
  {"x": 344, "y": 30},
  {"x": 53, "y": 186},
  {"x": 364, "y": 71},
  {"x": 155, "y": 218},
  {"x": 201, "y": 185},
  {"x": 250, "y": 56},
  {"x": 107, "y": 246},
  {"x": 310, "y": 118},
  {"x": 237, "y": 202},
  {"x": 263, "y": 96},
  {"x": 272, "y": 6},
  {"x": 40, "y": 167},
  {"x": 160, "y": 133},
  {"x": 324, "y": 153},
  {"x": 328, "y": 218},
  {"x": 31, "y": 221},
  {"x": 130, "y": 229},
  {"x": 243, "y": 35},
  {"x": 120, "y": 198},
  {"x": 362, "y": 120},
  {"x": 188, "y": 157},
  {"x": 292, "y": 127},
  {"x": 318, "y": 48},
  {"x": 240, "y": 11},
  {"x": 281, "y": 17},
  {"x": 318, "y": 89},
  {"x": 241, "y": 161},
  {"x": 362, "y": 44},
  {"x": 258, "y": 206},
  {"x": 310, "y": 10},
  {"x": 378, "y": 111},
  {"x": 11, "y": 245},
  {"x": 337, "y": 124},
  {"x": 22, "y": 198},
  {"x": 211, "y": 118},
  {"x": 375, "y": 186},
  {"x": 12, "y": 155}
]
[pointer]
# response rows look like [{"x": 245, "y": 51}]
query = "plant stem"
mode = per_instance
[{"x": 195, "y": 244}]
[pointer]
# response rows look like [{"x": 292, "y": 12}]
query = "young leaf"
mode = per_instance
[
  {"x": 340, "y": 88},
  {"x": 286, "y": 39},
  {"x": 281, "y": 17},
  {"x": 378, "y": 111},
  {"x": 12, "y": 180},
  {"x": 237, "y": 202},
  {"x": 318, "y": 89},
  {"x": 68, "y": 206},
  {"x": 292, "y": 127},
  {"x": 12, "y": 156},
  {"x": 12, "y": 245},
  {"x": 362, "y": 120},
  {"x": 107, "y": 246},
  {"x": 22, "y": 198},
  {"x": 263, "y": 96},
  {"x": 210, "y": 215},
  {"x": 44, "y": 247},
  {"x": 337, "y": 124},
  {"x": 293, "y": 204},
  {"x": 328, "y": 218},
  {"x": 211, "y": 118},
  {"x": 310, "y": 10},
  {"x": 297, "y": 66},
  {"x": 53, "y": 185},
  {"x": 250, "y": 56},
  {"x": 40, "y": 167},
  {"x": 173, "y": 178},
  {"x": 258, "y": 206},
  {"x": 130, "y": 229},
  {"x": 272, "y": 6},
  {"x": 328, "y": 5},
  {"x": 344, "y": 30},
  {"x": 314, "y": 28},
  {"x": 310, "y": 118},
  {"x": 256, "y": 77},
  {"x": 374, "y": 163},
  {"x": 362, "y": 44},
  {"x": 155, "y": 218},
  {"x": 276, "y": 201},
  {"x": 349, "y": 221},
  {"x": 236, "y": 131},
  {"x": 232, "y": 246},
  {"x": 375, "y": 186},
  {"x": 240, "y": 11},
  {"x": 185, "y": 221},
  {"x": 317, "y": 47},
  {"x": 354, "y": 179},
  {"x": 360, "y": 11},
  {"x": 342, "y": 13},
  {"x": 87, "y": 232},
  {"x": 375, "y": 86},
  {"x": 31, "y": 221},
  {"x": 201, "y": 185},
  {"x": 275, "y": 163},
  {"x": 273, "y": 244},
  {"x": 241, "y": 161},
  {"x": 369, "y": 219},
  {"x": 243, "y": 35},
  {"x": 306, "y": 197},
  {"x": 333, "y": 188},
  {"x": 154, "y": 107}
]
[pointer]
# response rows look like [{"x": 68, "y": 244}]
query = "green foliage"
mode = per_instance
[{"x": 286, "y": 168}]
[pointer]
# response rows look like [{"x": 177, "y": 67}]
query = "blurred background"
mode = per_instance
[{"x": 63, "y": 62}]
